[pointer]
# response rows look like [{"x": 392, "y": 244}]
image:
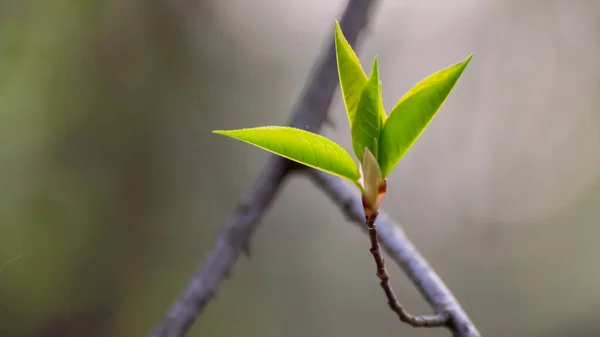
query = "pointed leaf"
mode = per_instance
[
  {"x": 369, "y": 118},
  {"x": 301, "y": 146},
  {"x": 352, "y": 76},
  {"x": 413, "y": 113}
]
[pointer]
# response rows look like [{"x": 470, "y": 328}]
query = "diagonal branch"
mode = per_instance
[
  {"x": 310, "y": 113},
  {"x": 403, "y": 252}
]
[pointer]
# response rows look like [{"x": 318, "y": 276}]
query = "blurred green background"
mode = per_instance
[{"x": 112, "y": 187}]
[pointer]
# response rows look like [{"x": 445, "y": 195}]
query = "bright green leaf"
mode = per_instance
[
  {"x": 409, "y": 118},
  {"x": 369, "y": 118},
  {"x": 301, "y": 146},
  {"x": 352, "y": 76}
]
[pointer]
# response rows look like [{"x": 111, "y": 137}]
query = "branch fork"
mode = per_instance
[{"x": 310, "y": 113}]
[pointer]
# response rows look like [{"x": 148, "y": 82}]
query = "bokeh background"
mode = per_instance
[{"x": 112, "y": 187}]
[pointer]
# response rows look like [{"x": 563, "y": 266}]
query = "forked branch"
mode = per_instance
[
  {"x": 310, "y": 113},
  {"x": 404, "y": 253}
]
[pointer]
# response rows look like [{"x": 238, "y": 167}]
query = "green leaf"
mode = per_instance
[
  {"x": 352, "y": 76},
  {"x": 369, "y": 118},
  {"x": 411, "y": 115},
  {"x": 301, "y": 146}
]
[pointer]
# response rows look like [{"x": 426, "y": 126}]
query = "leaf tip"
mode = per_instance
[
  {"x": 375, "y": 70},
  {"x": 466, "y": 61},
  {"x": 462, "y": 65},
  {"x": 224, "y": 132},
  {"x": 338, "y": 32}
]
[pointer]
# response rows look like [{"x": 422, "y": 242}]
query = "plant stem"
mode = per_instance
[{"x": 404, "y": 316}]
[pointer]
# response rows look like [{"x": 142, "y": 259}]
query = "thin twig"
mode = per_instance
[
  {"x": 309, "y": 113},
  {"x": 403, "y": 252},
  {"x": 428, "y": 321}
]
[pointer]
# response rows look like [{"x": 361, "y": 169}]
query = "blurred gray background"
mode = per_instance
[{"x": 112, "y": 187}]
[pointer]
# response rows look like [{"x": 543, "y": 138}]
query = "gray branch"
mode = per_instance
[
  {"x": 402, "y": 251},
  {"x": 310, "y": 113}
]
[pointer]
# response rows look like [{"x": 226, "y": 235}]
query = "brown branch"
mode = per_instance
[
  {"x": 428, "y": 321},
  {"x": 310, "y": 113},
  {"x": 404, "y": 254}
]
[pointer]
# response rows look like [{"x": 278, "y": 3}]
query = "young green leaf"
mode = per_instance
[
  {"x": 369, "y": 118},
  {"x": 371, "y": 180},
  {"x": 301, "y": 146},
  {"x": 411, "y": 115},
  {"x": 352, "y": 76}
]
